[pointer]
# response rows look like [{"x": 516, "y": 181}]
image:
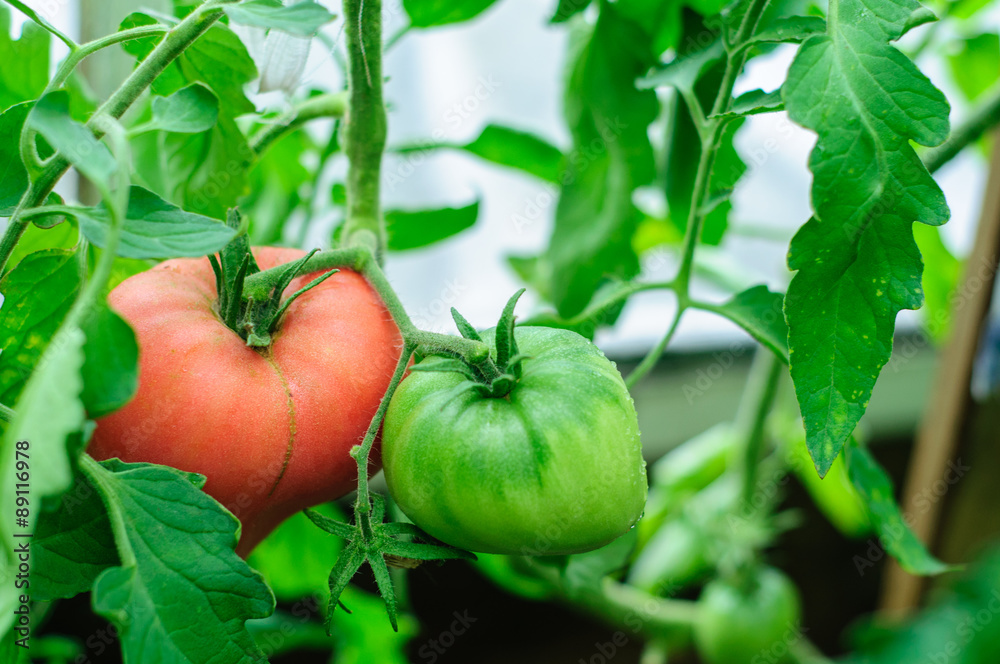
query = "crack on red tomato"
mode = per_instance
[{"x": 291, "y": 421}]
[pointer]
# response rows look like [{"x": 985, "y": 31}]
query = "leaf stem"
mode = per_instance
[
  {"x": 983, "y": 117},
  {"x": 365, "y": 130},
  {"x": 176, "y": 40},
  {"x": 332, "y": 105},
  {"x": 654, "y": 355}
]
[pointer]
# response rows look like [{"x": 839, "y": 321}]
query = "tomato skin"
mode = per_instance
[
  {"x": 272, "y": 430},
  {"x": 743, "y": 625},
  {"x": 554, "y": 467}
]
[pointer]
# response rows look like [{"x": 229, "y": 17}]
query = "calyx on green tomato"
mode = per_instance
[
  {"x": 271, "y": 428},
  {"x": 542, "y": 457},
  {"x": 753, "y": 620}
]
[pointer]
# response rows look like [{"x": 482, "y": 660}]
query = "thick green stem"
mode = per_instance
[
  {"x": 365, "y": 129},
  {"x": 762, "y": 385},
  {"x": 332, "y": 105},
  {"x": 172, "y": 45}
]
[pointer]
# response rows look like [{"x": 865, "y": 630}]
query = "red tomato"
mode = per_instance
[{"x": 271, "y": 430}]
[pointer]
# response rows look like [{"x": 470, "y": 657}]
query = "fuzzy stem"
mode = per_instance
[
  {"x": 332, "y": 105},
  {"x": 364, "y": 139}
]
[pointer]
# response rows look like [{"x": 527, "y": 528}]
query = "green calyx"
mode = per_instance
[
  {"x": 497, "y": 374},
  {"x": 254, "y": 317}
]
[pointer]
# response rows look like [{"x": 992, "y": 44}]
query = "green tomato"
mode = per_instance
[
  {"x": 554, "y": 467},
  {"x": 748, "y": 623}
]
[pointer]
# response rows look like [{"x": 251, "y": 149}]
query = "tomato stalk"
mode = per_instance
[
  {"x": 331, "y": 105},
  {"x": 762, "y": 386},
  {"x": 365, "y": 128}
]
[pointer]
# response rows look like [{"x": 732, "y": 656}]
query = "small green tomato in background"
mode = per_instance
[
  {"x": 541, "y": 458},
  {"x": 753, "y": 621}
]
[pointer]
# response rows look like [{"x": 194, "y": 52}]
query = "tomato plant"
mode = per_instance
[{"x": 216, "y": 332}]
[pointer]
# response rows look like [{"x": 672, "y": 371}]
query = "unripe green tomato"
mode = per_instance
[
  {"x": 750, "y": 623},
  {"x": 554, "y": 467}
]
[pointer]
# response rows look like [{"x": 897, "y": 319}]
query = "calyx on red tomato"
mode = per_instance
[
  {"x": 751, "y": 620},
  {"x": 271, "y": 428},
  {"x": 541, "y": 457}
]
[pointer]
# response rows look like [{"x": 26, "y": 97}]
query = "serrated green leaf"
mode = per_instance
[
  {"x": 939, "y": 283},
  {"x": 190, "y": 110},
  {"x": 181, "y": 592},
  {"x": 156, "y": 229},
  {"x": 759, "y": 311},
  {"x": 73, "y": 543},
  {"x": 111, "y": 366},
  {"x": 303, "y": 19},
  {"x": 14, "y": 180},
  {"x": 51, "y": 119},
  {"x": 411, "y": 229},
  {"x": 26, "y": 79},
  {"x": 875, "y": 487},
  {"x": 857, "y": 264},
  {"x": 520, "y": 150},
  {"x": 38, "y": 294},
  {"x": 429, "y": 13}
]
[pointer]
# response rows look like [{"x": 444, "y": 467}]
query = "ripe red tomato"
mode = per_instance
[{"x": 272, "y": 429}]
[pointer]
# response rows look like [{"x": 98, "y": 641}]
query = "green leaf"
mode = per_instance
[
  {"x": 73, "y": 543},
  {"x": 155, "y": 228},
  {"x": 302, "y": 18},
  {"x": 411, "y": 229},
  {"x": 429, "y": 13},
  {"x": 48, "y": 414},
  {"x": 181, "y": 591},
  {"x": 111, "y": 367},
  {"x": 26, "y": 79},
  {"x": 34, "y": 239},
  {"x": 465, "y": 328},
  {"x": 38, "y": 294},
  {"x": 595, "y": 219},
  {"x": 204, "y": 173},
  {"x": 759, "y": 311},
  {"x": 190, "y": 110},
  {"x": 857, "y": 264},
  {"x": 790, "y": 29},
  {"x": 974, "y": 67},
  {"x": 218, "y": 59},
  {"x": 14, "y": 182},
  {"x": 520, "y": 150},
  {"x": 51, "y": 119},
  {"x": 754, "y": 102},
  {"x": 875, "y": 487}
]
